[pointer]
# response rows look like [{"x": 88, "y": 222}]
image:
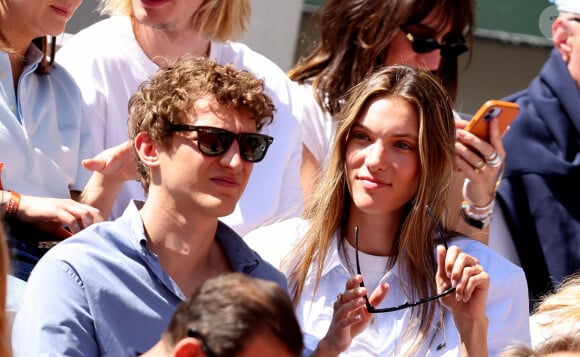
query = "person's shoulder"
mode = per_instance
[
  {"x": 84, "y": 248},
  {"x": 96, "y": 39},
  {"x": 244, "y": 57},
  {"x": 273, "y": 242},
  {"x": 493, "y": 262}
]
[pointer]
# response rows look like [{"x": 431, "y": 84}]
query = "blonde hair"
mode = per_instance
[
  {"x": 215, "y": 19},
  {"x": 562, "y": 306},
  {"x": 328, "y": 209}
]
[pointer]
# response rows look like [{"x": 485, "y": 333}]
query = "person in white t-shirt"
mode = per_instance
[
  {"x": 379, "y": 216},
  {"x": 109, "y": 59}
]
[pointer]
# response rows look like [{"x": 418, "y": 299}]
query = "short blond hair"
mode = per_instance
[{"x": 215, "y": 19}]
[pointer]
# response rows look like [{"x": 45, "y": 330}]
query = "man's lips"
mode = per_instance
[{"x": 226, "y": 181}]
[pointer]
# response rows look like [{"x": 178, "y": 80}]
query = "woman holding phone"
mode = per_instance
[{"x": 360, "y": 36}]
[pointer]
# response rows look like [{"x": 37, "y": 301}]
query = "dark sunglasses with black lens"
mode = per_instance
[
  {"x": 216, "y": 141},
  {"x": 373, "y": 310},
  {"x": 453, "y": 47}
]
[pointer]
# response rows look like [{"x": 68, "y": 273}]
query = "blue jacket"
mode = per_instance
[{"x": 540, "y": 190}]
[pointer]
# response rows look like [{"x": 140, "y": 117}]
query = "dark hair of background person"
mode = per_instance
[
  {"x": 354, "y": 41},
  {"x": 231, "y": 309}
]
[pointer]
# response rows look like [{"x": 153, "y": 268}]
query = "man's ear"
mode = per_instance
[
  {"x": 146, "y": 150},
  {"x": 188, "y": 347},
  {"x": 560, "y": 35}
]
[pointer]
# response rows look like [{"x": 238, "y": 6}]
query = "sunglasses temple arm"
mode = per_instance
[{"x": 437, "y": 227}]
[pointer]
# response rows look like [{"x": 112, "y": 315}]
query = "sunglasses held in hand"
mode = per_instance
[
  {"x": 216, "y": 141},
  {"x": 425, "y": 44},
  {"x": 373, "y": 310}
]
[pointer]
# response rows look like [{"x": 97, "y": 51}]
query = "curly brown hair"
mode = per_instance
[{"x": 169, "y": 96}]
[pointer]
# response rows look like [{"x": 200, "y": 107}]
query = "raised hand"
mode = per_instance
[
  {"x": 467, "y": 305},
  {"x": 350, "y": 317},
  {"x": 117, "y": 161},
  {"x": 474, "y": 158}
]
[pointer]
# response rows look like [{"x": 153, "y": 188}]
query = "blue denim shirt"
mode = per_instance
[{"x": 104, "y": 293}]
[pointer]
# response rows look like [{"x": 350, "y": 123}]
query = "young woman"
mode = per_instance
[
  {"x": 45, "y": 192},
  {"x": 359, "y": 36},
  {"x": 376, "y": 218}
]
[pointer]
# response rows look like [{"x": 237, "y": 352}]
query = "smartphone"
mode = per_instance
[{"x": 505, "y": 112}]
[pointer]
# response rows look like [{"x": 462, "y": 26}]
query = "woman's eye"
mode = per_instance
[
  {"x": 360, "y": 135},
  {"x": 403, "y": 145}
]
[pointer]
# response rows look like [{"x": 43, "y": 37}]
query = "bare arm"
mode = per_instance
[{"x": 309, "y": 172}]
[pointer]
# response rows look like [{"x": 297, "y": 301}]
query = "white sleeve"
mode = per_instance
[{"x": 318, "y": 127}]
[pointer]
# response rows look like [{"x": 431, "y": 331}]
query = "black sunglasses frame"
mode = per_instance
[
  {"x": 373, "y": 310},
  {"x": 226, "y": 139},
  {"x": 425, "y": 44},
  {"x": 198, "y": 336}
]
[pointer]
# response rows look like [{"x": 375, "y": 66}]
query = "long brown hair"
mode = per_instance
[
  {"x": 328, "y": 210},
  {"x": 355, "y": 36}
]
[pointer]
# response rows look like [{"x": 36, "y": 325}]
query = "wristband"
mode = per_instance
[
  {"x": 473, "y": 207},
  {"x": 13, "y": 204},
  {"x": 479, "y": 221}
]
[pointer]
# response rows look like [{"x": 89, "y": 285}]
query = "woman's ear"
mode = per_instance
[
  {"x": 146, "y": 150},
  {"x": 188, "y": 347},
  {"x": 560, "y": 35}
]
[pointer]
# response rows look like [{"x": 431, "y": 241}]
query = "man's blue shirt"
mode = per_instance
[{"x": 104, "y": 293}]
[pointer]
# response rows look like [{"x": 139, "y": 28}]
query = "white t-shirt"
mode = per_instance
[
  {"x": 507, "y": 305},
  {"x": 318, "y": 126},
  {"x": 108, "y": 65}
]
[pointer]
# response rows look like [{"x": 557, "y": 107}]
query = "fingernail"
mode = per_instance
[
  {"x": 453, "y": 283},
  {"x": 465, "y": 299},
  {"x": 457, "y": 297},
  {"x": 360, "y": 301},
  {"x": 357, "y": 317}
]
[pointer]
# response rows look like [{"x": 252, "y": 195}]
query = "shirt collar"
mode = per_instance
[{"x": 240, "y": 256}]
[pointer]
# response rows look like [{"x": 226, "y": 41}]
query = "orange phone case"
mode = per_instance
[{"x": 505, "y": 112}]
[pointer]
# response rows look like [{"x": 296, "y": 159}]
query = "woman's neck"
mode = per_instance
[
  {"x": 166, "y": 44},
  {"x": 18, "y": 44},
  {"x": 376, "y": 234}
]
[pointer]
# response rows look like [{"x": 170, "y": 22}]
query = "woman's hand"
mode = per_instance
[
  {"x": 350, "y": 317},
  {"x": 467, "y": 305},
  {"x": 474, "y": 158},
  {"x": 117, "y": 161},
  {"x": 51, "y": 214}
]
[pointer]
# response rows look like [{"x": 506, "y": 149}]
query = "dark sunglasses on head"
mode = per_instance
[
  {"x": 426, "y": 44},
  {"x": 216, "y": 141},
  {"x": 373, "y": 310}
]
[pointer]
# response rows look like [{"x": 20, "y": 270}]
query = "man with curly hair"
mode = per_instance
[{"x": 114, "y": 286}]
